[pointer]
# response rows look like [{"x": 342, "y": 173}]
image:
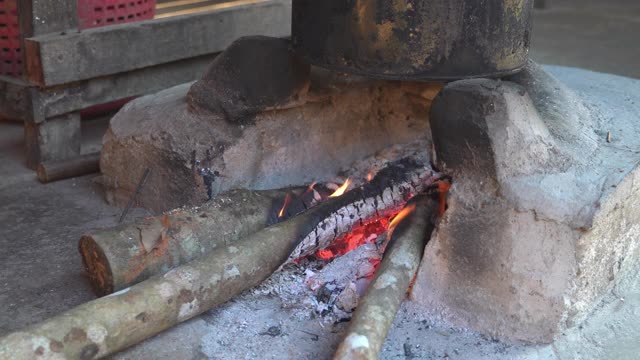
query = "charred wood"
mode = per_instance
[
  {"x": 384, "y": 196},
  {"x": 120, "y": 257}
]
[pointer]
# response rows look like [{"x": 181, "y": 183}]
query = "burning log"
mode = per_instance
[
  {"x": 410, "y": 232},
  {"x": 115, "y": 322},
  {"x": 384, "y": 196},
  {"x": 126, "y": 255}
]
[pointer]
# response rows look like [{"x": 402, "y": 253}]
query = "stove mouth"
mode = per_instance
[{"x": 329, "y": 281}]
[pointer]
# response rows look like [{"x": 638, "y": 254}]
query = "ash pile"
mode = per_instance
[
  {"x": 327, "y": 289},
  {"x": 329, "y": 283}
]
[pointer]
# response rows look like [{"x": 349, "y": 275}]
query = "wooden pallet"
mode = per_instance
[
  {"x": 125, "y": 60},
  {"x": 168, "y": 8}
]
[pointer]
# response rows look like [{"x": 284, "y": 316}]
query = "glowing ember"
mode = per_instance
[
  {"x": 342, "y": 189},
  {"x": 287, "y": 199},
  {"x": 324, "y": 254},
  {"x": 369, "y": 176},
  {"x": 365, "y": 234},
  {"x": 310, "y": 188},
  {"x": 443, "y": 187},
  {"x": 369, "y": 233},
  {"x": 401, "y": 215}
]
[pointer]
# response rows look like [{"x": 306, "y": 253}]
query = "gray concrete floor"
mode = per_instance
[
  {"x": 600, "y": 35},
  {"x": 41, "y": 273}
]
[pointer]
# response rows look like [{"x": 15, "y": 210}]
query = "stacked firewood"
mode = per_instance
[{"x": 225, "y": 247}]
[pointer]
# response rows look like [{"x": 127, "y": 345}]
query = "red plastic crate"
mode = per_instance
[
  {"x": 10, "y": 55},
  {"x": 91, "y": 14},
  {"x": 97, "y": 13}
]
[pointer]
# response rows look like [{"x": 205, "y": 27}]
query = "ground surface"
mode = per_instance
[
  {"x": 600, "y": 35},
  {"x": 40, "y": 271}
]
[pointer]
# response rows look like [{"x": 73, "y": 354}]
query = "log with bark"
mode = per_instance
[
  {"x": 119, "y": 257},
  {"x": 64, "y": 169},
  {"x": 377, "y": 309},
  {"x": 115, "y": 322}
]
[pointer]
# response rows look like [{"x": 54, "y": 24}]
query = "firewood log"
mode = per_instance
[
  {"x": 384, "y": 196},
  {"x": 115, "y": 322},
  {"x": 63, "y": 169},
  {"x": 125, "y": 255},
  {"x": 377, "y": 309}
]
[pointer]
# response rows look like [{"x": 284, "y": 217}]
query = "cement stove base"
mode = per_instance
[
  {"x": 543, "y": 220},
  {"x": 544, "y": 215}
]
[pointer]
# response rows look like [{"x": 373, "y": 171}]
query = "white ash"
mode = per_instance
[
  {"x": 352, "y": 267},
  {"x": 330, "y": 291}
]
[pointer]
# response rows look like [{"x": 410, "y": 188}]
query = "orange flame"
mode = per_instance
[
  {"x": 342, "y": 189},
  {"x": 310, "y": 188},
  {"x": 369, "y": 176},
  {"x": 443, "y": 188},
  {"x": 287, "y": 199},
  {"x": 401, "y": 215}
]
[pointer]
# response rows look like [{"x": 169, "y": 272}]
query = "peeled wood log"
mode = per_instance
[
  {"x": 63, "y": 169},
  {"x": 128, "y": 254},
  {"x": 377, "y": 309},
  {"x": 115, "y": 322}
]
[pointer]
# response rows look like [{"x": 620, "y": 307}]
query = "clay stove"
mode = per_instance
[
  {"x": 538, "y": 225},
  {"x": 541, "y": 218}
]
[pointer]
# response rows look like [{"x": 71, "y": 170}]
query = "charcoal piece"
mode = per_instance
[
  {"x": 273, "y": 331},
  {"x": 325, "y": 293},
  {"x": 295, "y": 202}
]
